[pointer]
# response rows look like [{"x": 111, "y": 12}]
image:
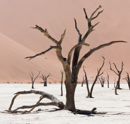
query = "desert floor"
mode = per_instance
[{"x": 116, "y": 106}]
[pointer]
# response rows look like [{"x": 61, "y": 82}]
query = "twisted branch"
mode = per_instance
[{"x": 31, "y": 57}]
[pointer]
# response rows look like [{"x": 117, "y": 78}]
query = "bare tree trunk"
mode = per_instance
[
  {"x": 86, "y": 80},
  {"x": 82, "y": 82},
  {"x": 32, "y": 84},
  {"x": 118, "y": 82},
  {"x": 62, "y": 83},
  {"x": 127, "y": 78},
  {"x": 70, "y": 85},
  {"x": 116, "y": 90},
  {"x": 45, "y": 83},
  {"x": 107, "y": 80}
]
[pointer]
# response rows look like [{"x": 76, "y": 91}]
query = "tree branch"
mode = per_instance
[
  {"x": 116, "y": 68},
  {"x": 80, "y": 35},
  {"x": 95, "y": 49},
  {"x": 95, "y": 12},
  {"x": 45, "y": 33},
  {"x": 112, "y": 69},
  {"x": 97, "y": 15},
  {"x": 36, "y": 76},
  {"x": 70, "y": 52},
  {"x": 90, "y": 29},
  {"x": 31, "y": 57},
  {"x": 62, "y": 37},
  {"x": 122, "y": 67}
]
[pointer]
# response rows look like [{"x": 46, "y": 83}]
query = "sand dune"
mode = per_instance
[
  {"x": 18, "y": 40},
  {"x": 14, "y": 68}
]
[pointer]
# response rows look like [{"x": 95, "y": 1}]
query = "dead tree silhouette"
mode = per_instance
[
  {"x": 118, "y": 73},
  {"x": 71, "y": 68},
  {"x": 44, "y": 78},
  {"x": 33, "y": 79}
]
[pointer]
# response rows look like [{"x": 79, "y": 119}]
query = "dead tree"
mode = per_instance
[
  {"x": 86, "y": 80},
  {"x": 102, "y": 80},
  {"x": 127, "y": 78},
  {"x": 33, "y": 79},
  {"x": 44, "y": 78},
  {"x": 55, "y": 101},
  {"x": 62, "y": 73},
  {"x": 118, "y": 73},
  {"x": 72, "y": 69},
  {"x": 82, "y": 82},
  {"x": 107, "y": 79},
  {"x": 99, "y": 73}
]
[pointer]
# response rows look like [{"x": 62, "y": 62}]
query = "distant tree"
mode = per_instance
[
  {"x": 99, "y": 73},
  {"x": 102, "y": 80},
  {"x": 127, "y": 78},
  {"x": 82, "y": 81},
  {"x": 107, "y": 79},
  {"x": 33, "y": 78},
  {"x": 118, "y": 73},
  {"x": 72, "y": 69},
  {"x": 44, "y": 78}
]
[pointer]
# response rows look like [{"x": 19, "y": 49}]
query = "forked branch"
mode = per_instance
[
  {"x": 80, "y": 35},
  {"x": 90, "y": 29},
  {"x": 62, "y": 37},
  {"x": 72, "y": 49},
  {"x": 95, "y": 49}
]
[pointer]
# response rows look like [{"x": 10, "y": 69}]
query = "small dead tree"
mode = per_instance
[
  {"x": 44, "y": 78},
  {"x": 118, "y": 73},
  {"x": 33, "y": 79},
  {"x": 102, "y": 80},
  {"x": 127, "y": 78},
  {"x": 99, "y": 73},
  {"x": 107, "y": 79},
  {"x": 62, "y": 73},
  {"x": 82, "y": 81}
]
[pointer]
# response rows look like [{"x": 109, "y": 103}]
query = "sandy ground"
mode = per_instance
[{"x": 116, "y": 106}]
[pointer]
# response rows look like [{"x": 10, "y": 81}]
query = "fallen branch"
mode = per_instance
[{"x": 55, "y": 101}]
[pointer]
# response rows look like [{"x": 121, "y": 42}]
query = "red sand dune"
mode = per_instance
[{"x": 18, "y": 40}]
